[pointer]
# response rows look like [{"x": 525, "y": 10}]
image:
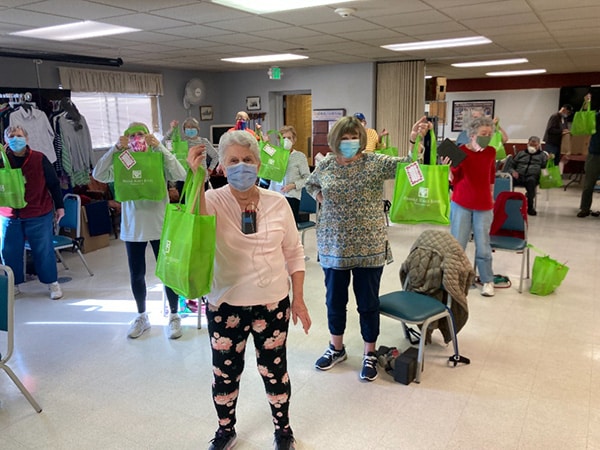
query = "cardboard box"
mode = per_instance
[{"x": 579, "y": 145}]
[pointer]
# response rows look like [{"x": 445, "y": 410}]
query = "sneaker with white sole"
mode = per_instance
[
  {"x": 331, "y": 357},
  {"x": 17, "y": 290},
  {"x": 56, "y": 292},
  {"x": 488, "y": 289},
  {"x": 369, "y": 368},
  {"x": 174, "y": 326},
  {"x": 140, "y": 324}
]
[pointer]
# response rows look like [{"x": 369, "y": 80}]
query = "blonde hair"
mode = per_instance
[{"x": 346, "y": 125}]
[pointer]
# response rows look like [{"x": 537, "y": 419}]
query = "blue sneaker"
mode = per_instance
[
  {"x": 369, "y": 368},
  {"x": 331, "y": 357}
]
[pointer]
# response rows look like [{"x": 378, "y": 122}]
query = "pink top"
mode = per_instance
[
  {"x": 473, "y": 179},
  {"x": 253, "y": 269}
]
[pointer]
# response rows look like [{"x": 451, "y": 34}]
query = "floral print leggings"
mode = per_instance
[{"x": 228, "y": 328}]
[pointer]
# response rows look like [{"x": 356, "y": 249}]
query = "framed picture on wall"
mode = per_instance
[
  {"x": 252, "y": 103},
  {"x": 461, "y": 107},
  {"x": 206, "y": 112}
]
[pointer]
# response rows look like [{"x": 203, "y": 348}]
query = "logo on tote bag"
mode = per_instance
[
  {"x": 2, "y": 189},
  {"x": 423, "y": 192},
  {"x": 136, "y": 174}
]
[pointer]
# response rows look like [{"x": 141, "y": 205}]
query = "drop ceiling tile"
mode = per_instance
[
  {"x": 147, "y": 22},
  {"x": 249, "y": 24},
  {"x": 194, "y": 31},
  {"x": 77, "y": 9}
]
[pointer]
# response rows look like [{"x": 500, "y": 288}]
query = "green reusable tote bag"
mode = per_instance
[
  {"x": 273, "y": 159},
  {"x": 12, "y": 185},
  {"x": 179, "y": 148},
  {"x": 584, "y": 121},
  {"x": 421, "y": 192},
  {"x": 496, "y": 142},
  {"x": 387, "y": 150},
  {"x": 547, "y": 274},
  {"x": 550, "y": 176},
  {"x": 187, "y": 244},
  {"x": 139, "y": 176}
]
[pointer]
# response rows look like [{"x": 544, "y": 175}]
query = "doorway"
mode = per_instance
[{"x": 297, "y": 111}]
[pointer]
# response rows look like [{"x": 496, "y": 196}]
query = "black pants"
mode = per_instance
[
  {"x": 295, "y": 205},
  {"x": 530, "y": 183},
  {"x": 136, "y": 258}
]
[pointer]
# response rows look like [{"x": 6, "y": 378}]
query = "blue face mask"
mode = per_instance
[
  {"x": 17, "y": 143},
  {"x": 191, "y": 132},
  {"x": 349, "y": 148},
  {"x": 242, "y": 176}
]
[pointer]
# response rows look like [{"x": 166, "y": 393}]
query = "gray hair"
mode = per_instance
[
  {"x": 12, "y": 129},
  {"x": 238, "y": 137},
  {"x": 477, "y": 123},
  {"x": 190, "y": 122}
]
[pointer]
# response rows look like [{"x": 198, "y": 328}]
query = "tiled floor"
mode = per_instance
[{"x": 534, "y": 380}]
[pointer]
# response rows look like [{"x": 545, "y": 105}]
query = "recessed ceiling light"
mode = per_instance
[
  {"x": 77, "y": 30},
  {"x": 497, "y": 62},
  {"x": 514, "y": 73},
  {"x": 270, "y": 6},
  {"x": 442, "y": 43},
  {"x": 428, "y": 77},
  {"x": 265, "y": 58}
]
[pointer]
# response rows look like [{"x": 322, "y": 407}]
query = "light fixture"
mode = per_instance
[
  {"x": 77, "y": 30},
  {"x": 441, "y": 43},
  {"x": 496, "y": 62},
  {"x": 428, "y": 77},
  {"x": 264, "y": 58},
  {"x": 270, "y": 6},
  {"x": 514, "y": 73}
]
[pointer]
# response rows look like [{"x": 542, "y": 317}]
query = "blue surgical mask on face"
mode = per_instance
[
  {"x": 191, "y": 132},
  {"x": 349, "y": 148},
  {"x": 242, "y": 176},
  {"x": 17, "y": 143}
]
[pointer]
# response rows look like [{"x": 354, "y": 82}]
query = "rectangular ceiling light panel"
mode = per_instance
[
  {"x": 271, "y": 6},
  {"x": 441, "y": 43},
  {"x": 497, "y": 62},
  {"x": 265, "y": 58},
  {"x": 515, "y": 73},
  {"x": 73, "y": 31}
]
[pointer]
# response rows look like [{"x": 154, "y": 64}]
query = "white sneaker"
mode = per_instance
[
  {"x": 17, "y": 290},
  {"x": 138, "y": 326},
  {"x": 174, "y": 326},
  {"x": 488, "y": 289},
  {"x": 55, "y": 291}
]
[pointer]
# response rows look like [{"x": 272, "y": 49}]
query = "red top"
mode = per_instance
[{"x": 474, "y": 179}]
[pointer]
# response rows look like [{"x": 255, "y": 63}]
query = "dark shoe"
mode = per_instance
[
  {"x": 532, "y": 212},
  {"x": 331, "y": 357},
  {"x": 284, "y": 439},
  {"x": 224, "y": 440},
  {"x": 369, "y": 368},
  {"x": 583, "y": 213},
  {"x": 595, "y": 213}
]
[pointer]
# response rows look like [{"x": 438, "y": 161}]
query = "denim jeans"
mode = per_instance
[
  {"x": 38, "y": 231},
  {"x": 462, "y": 222},
  {"x": 365, "y": 283}
]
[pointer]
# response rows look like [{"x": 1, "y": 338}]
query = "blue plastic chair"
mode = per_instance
[{"x": 7, "y": 302}]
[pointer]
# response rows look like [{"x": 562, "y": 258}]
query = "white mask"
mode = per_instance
[
  {"x": 531, "y": 149},
  {"x": 287, "y": 143}
]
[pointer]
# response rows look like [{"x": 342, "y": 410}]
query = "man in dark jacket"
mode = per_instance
[
  {"x": 556, "y": 127},
  {"x": 526, "y": 168},
  {"x": 592, "y": 172}
]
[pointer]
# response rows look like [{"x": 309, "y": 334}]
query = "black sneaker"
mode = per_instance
[
  {"x": 532, "y": 212},
  {"x": 331, "y": 357},
  {"x": 224, "y": 440},
  {"x": 284, "y": 439},
  {"x": 369, "y": 368},
  {"x": 583, "y": 213}
]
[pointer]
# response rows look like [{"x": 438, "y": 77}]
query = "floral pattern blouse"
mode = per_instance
[{"x": 351, "y": 228}]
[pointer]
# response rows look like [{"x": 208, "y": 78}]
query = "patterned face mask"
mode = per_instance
[{"x": 138, "y": 143}]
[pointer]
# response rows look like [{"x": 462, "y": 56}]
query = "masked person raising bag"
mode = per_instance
[{"x": 142, "y": 221}]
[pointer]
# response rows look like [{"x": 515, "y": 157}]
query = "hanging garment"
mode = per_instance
[{"x": 40, "y": 134}]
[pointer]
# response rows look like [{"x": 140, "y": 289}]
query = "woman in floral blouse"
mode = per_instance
[{"x": 351, "y": 234}]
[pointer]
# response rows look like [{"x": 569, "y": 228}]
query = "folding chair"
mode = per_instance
[
  {"x": 508, "y": 231},
  {"x": 7, "y": 315},
  {"x": 307, "y": 205},
  {"x": 71, "y": 221}
]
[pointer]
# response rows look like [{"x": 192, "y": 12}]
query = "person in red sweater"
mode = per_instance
[
  {"x": 471, "y": 209},
  {"x": 34, "y": 222}
]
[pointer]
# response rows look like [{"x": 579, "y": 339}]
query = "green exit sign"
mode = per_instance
[{"x": 275, "y": 73}]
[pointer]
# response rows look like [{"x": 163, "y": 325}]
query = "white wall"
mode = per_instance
[{"x": 522, "y": 112}]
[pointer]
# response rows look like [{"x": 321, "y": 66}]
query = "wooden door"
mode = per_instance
[{"x": 298, "y": 113}]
